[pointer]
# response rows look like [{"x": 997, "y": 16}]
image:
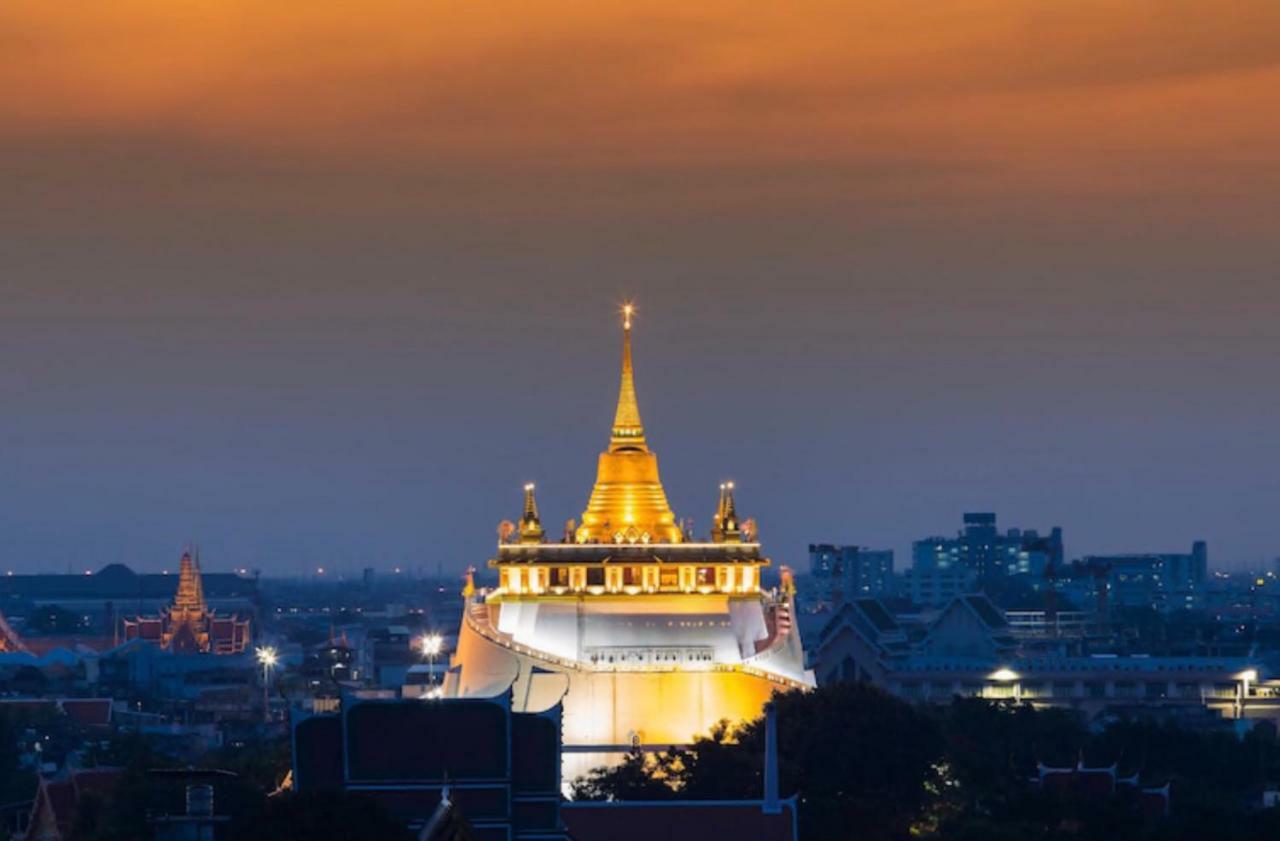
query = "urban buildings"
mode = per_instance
[
  {"x": 981, "y": 549},
  {"x": 646, "y": 634},
  {"x": 1161, "y": 581},
  {"x": 970, "y": 649},
  {"x": 837, "y": 573}
]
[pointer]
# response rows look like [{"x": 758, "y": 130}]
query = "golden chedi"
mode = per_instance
[{"x": 647, "y": 635}]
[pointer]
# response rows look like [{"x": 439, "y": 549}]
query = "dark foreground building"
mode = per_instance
[
  {"x": 473, "y": 768},
  {"x": 498, "y": 769}
]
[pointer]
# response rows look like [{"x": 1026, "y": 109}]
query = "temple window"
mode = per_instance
[
  {"x": 560, "y": 577},
  {"x": 706, "y": 576},
  {"x": 595, "y": 577},
  {"x": 687, "y": 578},
  {"x": 612, "y": 578},
  {"x": 650, "y": 578},
  {"x": 669, "y": 579}
]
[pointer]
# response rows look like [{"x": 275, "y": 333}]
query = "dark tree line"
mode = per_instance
[{"x": 866, "y": 765}]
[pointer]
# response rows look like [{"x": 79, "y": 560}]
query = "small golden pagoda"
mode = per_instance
[{"x": 646, "y": 634}]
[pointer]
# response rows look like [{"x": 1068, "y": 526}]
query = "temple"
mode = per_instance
[
  {"x": 188, "y": 626},
  {"x": 646, "y": 634}
]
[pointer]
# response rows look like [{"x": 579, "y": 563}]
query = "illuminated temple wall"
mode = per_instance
[{"x": 605, "y": 710}]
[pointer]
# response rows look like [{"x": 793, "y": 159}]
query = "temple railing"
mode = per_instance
[{"x": 476, "y": 616}]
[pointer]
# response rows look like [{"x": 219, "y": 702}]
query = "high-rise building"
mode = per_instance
[
  {"x": 1164, "y": 580},
  {"x": 983, "y": 550},
  {"x": 647, "y": 634},
  {"x": 848, "y": 572}
]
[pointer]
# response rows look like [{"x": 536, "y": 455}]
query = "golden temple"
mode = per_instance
[{"x": 647, "y": 635}]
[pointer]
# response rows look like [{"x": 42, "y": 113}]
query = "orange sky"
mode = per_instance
[
  {"x": 988, "y": 97},
  {"x": 1013, "y": 255}
]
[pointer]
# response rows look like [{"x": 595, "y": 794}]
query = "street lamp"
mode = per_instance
[
  {"x": 431, "y": 645},
  {"x": 268, "y": 657},
  {"x": 1006, "y": 675}
]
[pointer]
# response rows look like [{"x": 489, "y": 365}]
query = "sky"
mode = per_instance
[{"x": 327, "y": 283}]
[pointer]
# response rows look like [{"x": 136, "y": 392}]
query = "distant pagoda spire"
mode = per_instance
[
  {"x": 190, "y": 595},
  {"x": 530, "y": 525}
]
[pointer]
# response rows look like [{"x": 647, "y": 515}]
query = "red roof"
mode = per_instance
[
  {"x": 678, "y": 821},
  {"x": 54, "y": 811}
]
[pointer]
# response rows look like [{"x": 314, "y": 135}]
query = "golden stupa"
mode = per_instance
[
  {"x": 647, "y": 635},
  {"x": 628, "y": 504}
]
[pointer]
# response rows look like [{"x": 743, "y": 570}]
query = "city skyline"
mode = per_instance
[{"x": 316, "y": 288}]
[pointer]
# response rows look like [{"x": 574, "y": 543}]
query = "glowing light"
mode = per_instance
[
  {"x": 319, "y": 570},
  {"x": 528, "y": 486},
  {"x": 267, "y": 656},
  {"x": 627, "y": 309},
  {"x": 1248, "y": 676},
  {"x": 1003, "y": 675},
  {"x": 431, "y": 645}
]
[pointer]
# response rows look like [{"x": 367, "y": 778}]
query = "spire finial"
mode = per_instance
[{"x": 628, "y": 431}]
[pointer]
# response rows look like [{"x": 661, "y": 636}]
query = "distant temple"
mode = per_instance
[{"x": 188, "y": 626}]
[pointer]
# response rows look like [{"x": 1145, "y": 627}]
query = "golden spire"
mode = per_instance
[
  {"x": 190, "y": 595},
  {"x": 628, "y": 503},
  {"x": 725, "y": 528},
  {"x": 628, "y": 430},
  {"x": 530, "y": 525}
]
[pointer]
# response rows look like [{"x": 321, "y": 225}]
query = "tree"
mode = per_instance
[{"x": 857, "y": 757}]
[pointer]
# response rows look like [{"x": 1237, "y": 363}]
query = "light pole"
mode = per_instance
[
  {"x": 268, "y": 658},
  {"x": 431, "y": 645}
]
